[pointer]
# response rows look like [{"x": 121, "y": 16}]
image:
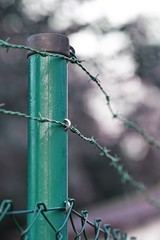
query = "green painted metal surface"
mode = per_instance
[{"x": 47, "y": 143}]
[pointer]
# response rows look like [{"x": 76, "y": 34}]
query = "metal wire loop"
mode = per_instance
[
  {"x": 41, "y": 206},
  {"x": 5, "y": 207},
  {"x": 67, "y": 124},
  {"x": 67, "y": 206},
  {"x": 72, "y": 51},
  {"x": 116, "y": 234},
  {"x": 123, "y": 236},
  {"x": 97, "y": 226}
]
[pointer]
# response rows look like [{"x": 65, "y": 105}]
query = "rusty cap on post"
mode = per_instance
[{"x": 49, "y": 42}]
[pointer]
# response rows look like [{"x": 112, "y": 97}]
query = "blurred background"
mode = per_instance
[{"x": 120, "y": 41}]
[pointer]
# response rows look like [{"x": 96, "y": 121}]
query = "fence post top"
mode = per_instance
[{"x": 49, "y": 42}]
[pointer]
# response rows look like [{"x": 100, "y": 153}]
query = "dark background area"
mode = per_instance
[{"x": 91, "y": 178}]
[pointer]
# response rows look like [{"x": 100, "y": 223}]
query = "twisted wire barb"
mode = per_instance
[
  {"x": 104, "y": 151},
  {"x": 39, "y": 119},
  {"x": 73, "y": 59},
  {"x": 128, "y": 123},
  {"x": 125, "y": 177},
  {"x": 8, "y": 45}
]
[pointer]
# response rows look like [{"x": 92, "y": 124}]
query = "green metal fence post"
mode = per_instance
[{"x": 47, "y": 142}]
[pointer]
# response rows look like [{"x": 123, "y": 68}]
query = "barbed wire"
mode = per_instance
[
  {"x": 115, "y": 161},
  {"x": 73, "y": 59},
  {"x": 104, "y": 151},
  {"x": 104, "y": 231},
  {"x": 128, "y": 123}
]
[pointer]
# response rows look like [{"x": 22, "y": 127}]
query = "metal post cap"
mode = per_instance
[{"x": 49, "y": 42}]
